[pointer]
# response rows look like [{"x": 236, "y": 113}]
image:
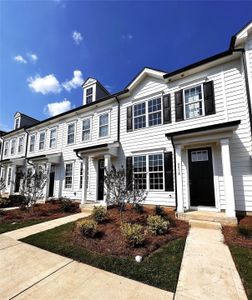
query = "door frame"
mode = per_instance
[
  {"x": 215, "y": 179},
  {"x": 97, "y": 180}
]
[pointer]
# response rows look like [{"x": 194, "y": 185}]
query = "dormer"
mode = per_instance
[
  {"x": 93, "y": 90},
  {"x": 22, "y": 120},
  {"x": 17, "y": 120}
]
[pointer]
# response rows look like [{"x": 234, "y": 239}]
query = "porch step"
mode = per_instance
[
  {"x": 88, "y": 207},
  {"x": 217, "y": 217},
  {"x": 205, "y": 224}
]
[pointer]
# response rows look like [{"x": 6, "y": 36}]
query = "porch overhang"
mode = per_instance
[
  {"x": 204, "y": 134},
  {"x": 15, "y": 161},
  {"x": 99, "y": 150},
  {"x": 53, "y": 158}
]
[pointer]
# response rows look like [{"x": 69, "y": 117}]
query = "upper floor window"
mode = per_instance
[
  {"x": 6, "y": 148},
  {"x": 69, "y": 176},
  {"x": 20, "y": 144},
  {"x": 17, "y": 123},
  {"x": 104, "y": 125},
  {"x": 86, "y": 129},
  {"x": 32, "y": 143},
  {"x": 193, "y": 102},
  {"x": 41, "y": 140},
  {"x": 13, "y": 146},
  {"x": 53, "y": 136},
  {"x": 70, "y": 133},
  {"x": 139, "y": 116},
  {"x": 154, "y": 112},
  {"x": 89, "y": 95}
]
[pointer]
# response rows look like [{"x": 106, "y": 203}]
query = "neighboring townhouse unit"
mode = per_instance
[{"x": 184, "y": 136}]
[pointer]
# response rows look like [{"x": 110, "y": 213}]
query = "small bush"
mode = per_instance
[
  {"x": 4, "y": 202},
  {"x": 139, "y": 208},
  {"x": 245, "y": 231},
  {"x": 159, "y": 211},
  {"x": 132, "y": 234},
  {"x": 66, "y": 205},
  {"x": 99, "y": 214},
  {"x": 157, "y": 225},
  {"x": 87, "y": 227}
]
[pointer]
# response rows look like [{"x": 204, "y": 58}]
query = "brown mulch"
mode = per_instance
[
  {"x": 232, "y": 235},
  {"x": 49, "y": 210},
  {"x": 109, "y": 240}
]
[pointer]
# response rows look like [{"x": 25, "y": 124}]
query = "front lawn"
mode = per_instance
[
  {"x": 160, "y": 266},
  {"x": 18, "y": 218}
]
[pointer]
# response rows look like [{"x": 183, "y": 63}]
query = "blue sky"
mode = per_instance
[{"x": 49, "y": 47}]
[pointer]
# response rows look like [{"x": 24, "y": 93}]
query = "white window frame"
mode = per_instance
[
  {"x": 17, "y": 123},
  {"x": 90, "y": 134},
  {"x": 33, "y": 135},
  {"x": 74, "y": 133},
  {"x": 91, "y": 95},
  {"x": 13, "y": 148},
  {"x": 56, "y": 136},
  {"x": 9, "y": 175},
  {"x": 148, "y": 171},
  {"x": 6, "y": 148},
  {"x": 72, "y": 185},
  {"x": 39, "y": 140},
  {"x": 99, "y": 115},
  {"x": 81, "y": 176},
  {"x": 202, "y": 100},
  {"x": 20, "y": 150}
]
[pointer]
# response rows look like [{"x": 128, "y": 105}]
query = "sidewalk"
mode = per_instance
[{"x": 208, "y": 270}]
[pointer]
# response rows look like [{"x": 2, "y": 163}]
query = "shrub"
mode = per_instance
[
  {"x": 157, "y": 225},
  {"x": 132, "y": 234},
  {"x": 66, "y": 205},
  {"x": 4, "y": 202},
  {"x": 159, "y": 211},
  {"x": 245, "y": 231},
  {"x": 99, "y": 214},
  {"x": 139, "y": 208},
  {"x": 87, "y": 227}
]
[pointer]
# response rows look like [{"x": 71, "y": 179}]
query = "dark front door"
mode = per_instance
[
  {"x": 17, "y": 180},
  {"x": 201, "y": 177},
  {"x": 100, "y": 179},
  {"x": 51, "y": 183}
]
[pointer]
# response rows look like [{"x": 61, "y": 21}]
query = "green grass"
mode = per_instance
[
  {"x": 243, "y": 260},
  {"x": 10, "y": 226},
  {"x": 160, "y": 269}
]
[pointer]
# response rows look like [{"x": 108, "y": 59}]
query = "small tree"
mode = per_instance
[
  {"x": 33, "y": 182},
  {"x": 118, "y": 192},
  {"x": 2, "y": 185}
]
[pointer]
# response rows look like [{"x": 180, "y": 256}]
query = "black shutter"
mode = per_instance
[
  {"x": 167, "y": 109},
  {"x": 168, "y": 167},
  {"x": 129, "y": 173},
  {"x": 209, "y": 98},
  {"x": 179, "y": 106},
  {"x": 129, "y": 118}
]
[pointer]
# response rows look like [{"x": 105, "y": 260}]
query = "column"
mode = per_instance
[
  {"x": 48, "y": 169},
  {"x": 84, "y": 180},
  {"x": 228, "y": 178},
  {"x": 107, "y": 166},
  {"x": 180, "y": 203}
]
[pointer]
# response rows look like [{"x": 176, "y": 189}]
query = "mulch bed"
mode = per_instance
[
  {"x": 109, "y": 240},
  {"x": 234, "y": 238},
  {"x": 48, "y": 210}
]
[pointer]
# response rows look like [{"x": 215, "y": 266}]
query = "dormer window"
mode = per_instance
[
  {"x": 89, "y": 95},
  {"x": 17, "y": 123}
]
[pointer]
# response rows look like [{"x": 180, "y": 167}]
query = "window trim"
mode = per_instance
[
  {"x": 17, "y": 122},
  {"x": 51, "y": 129},
  {"x": 43, "y": 131},
  {"x": 91, "y": 95},
  {"x": 72, "y": 186},
  {"x": 9, "y": 176},
  {"x": 18, "y": 148},
  {"x": 6, "y": 149},
  {"x": 99, "y": 115},
  {"x": 91, "y": 128},
  {"x": 74, "y": 139},
  {"x": 14, "y": 140},
  {"x": 32, "y": 135}
]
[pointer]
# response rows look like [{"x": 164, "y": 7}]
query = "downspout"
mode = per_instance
[
  {"x": 175, "y": 171},
  {"x": 242, "y": 50},
  {"x": 77, "y": 154},
  {"x": 118, "y": 119},
  {"x": 26, "y": 148}
]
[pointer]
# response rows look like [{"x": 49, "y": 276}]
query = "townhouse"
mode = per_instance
[{"x": 184, "y": 136}]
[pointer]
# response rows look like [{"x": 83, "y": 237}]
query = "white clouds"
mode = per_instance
[
  {"x": 127, "y": 37},
  {"x": 75, "y": 82},
  {"x": 33, "y": 57},
  {"x": 55, "y": 108},
  {"x": 77, "y": 37},
  {"x": 44, "y": 85},
  {"x": 20, "y": 59}
]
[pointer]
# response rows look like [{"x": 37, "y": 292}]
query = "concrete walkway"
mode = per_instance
[
  {"x": 28, "y": 272},
  {"x": 208, "y": 270}
]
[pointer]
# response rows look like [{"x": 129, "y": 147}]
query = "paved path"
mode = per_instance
[
  {"x": 27, "y": 272},
  {"x": 208, "y": 270}
]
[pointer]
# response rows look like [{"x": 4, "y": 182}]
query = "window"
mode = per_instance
[
  {"x": 53, "y": 134},
  {"x": 154, "y": 112},
  {"x": 193, "y": 102},
  {"x": 139, "y": 116},
  {"x": 70, "y": 133},
  {"x": 89, "y": 95},
  {"x": 199, "y": 155},
  {"x": 86, "y": 128},
  {"x": 9, "y": 177},
  {"x": 6, "y": 148},
  {"x": 32, "y": 143},
  {"x": 148, "y": 171},
  {"x": 41, "y": 140},
  {"x": 17, "y": 123},
  {"x": 20, "y": 144},
  {"x": 13, "y": 146},
  {"x": 3, "y": 174},
  {"x": 81, "y": 174},
  {"x": 69, "y": 176},
  {"x": 104, "y": 125}
]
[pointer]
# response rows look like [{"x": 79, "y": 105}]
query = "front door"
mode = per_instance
[
  {"x": 201, "y": 177},
  {"x": 51, "y": 182},
  {"x": 100, "y": 179}
]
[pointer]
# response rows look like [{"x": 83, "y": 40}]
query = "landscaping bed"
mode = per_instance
[
  {"x": 107, "y": 249},
  {"x": 18, "y": 218},
  {"x": 239, "y": 240}
]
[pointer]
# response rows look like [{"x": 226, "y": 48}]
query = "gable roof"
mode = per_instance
[{"x": 241, "y": 35}]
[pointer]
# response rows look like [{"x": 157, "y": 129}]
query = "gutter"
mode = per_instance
[
  {"x": 77, "y": 154},
  {"x": 175, "y": 172},
  {"x": 118, "y": 120}
]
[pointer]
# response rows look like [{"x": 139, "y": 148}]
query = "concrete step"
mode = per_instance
[
  {"x": 88, "y": 207},
  {"x": 205, "y": 224}
]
